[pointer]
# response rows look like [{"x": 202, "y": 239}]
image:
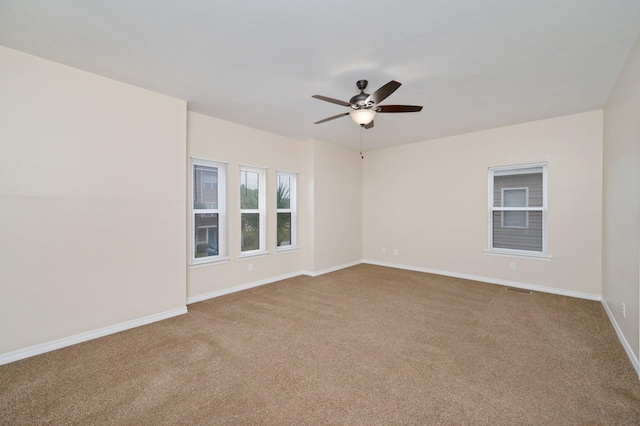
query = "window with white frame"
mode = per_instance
[
  {"x": 208, "y": 214},
  {"x": 518, "y": 209},
  {"x": 252, "y": 211},
  {"x": 286, "y": 206}
]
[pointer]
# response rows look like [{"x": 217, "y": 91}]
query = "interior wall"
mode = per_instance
[
  {"x": 308, "y": 256},
  {"x": 337, "y": 207},
  {"x": 214, "y": 139},
  {"x": 621, "y": 203},
  {"x": 429, "y": 202},
  {"x": 92, "y": 179}
]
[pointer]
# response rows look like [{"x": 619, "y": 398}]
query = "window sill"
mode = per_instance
[
  {"x": 253, "y": 254},
  {"x": 532, "y": 256},
  {"x": 281, "y": 250},
  {"x": 216, "y": 261}
]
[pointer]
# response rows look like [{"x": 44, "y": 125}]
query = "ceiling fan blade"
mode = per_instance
[
  {"x": 368, "y": 126},
  {"x": 382, "y": 93},
  {"x": 332, "y": 118},
  {"x": 398, "y": 108},
  {"x": 333, "y": 101}
]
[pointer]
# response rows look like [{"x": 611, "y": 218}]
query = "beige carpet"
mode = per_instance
[{"x": 363, "y": 346}]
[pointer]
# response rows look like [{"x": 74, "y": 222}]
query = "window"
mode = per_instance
[
  {"x": 286, "y": 211},
  {"x": 518, "y": 209},
  {"x": 252, "y": 211},
  {"x": 207, "y": 210}
]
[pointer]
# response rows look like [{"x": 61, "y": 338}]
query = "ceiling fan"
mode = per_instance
[{"x": 366, "y": 106}]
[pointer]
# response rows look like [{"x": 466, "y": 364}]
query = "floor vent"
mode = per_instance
[{"x": 518, "y": 290}]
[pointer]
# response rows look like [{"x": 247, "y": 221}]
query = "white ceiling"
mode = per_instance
[{"x": 472, "y": 64}]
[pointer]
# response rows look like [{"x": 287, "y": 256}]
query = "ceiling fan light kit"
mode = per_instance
[
  {"x": 366, "y": 106},
  {"x": 362, "y": 117}
]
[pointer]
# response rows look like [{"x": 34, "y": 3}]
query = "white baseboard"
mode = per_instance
[
  {"x": 489, "y": 280},
  {"x": 623, "y": 340},
  {"x": 225, "y": 291},
  {"x": 89, "y": 335},
  {"x": 332, "y": 269},
  {"x": 83, "y": 337}
]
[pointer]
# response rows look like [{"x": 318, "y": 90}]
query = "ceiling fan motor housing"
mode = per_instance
[{"x": 359, "y": 101}]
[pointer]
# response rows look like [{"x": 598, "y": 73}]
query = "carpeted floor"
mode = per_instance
[{"x": 362, "y": 346}]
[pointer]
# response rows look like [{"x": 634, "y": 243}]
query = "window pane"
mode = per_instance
[
  {"x": 250, "y": 231},
  {"x": 284, "y": 229},
  {"x": 249, "y": 189},
  {"x": 206, "y": 235},
  {"x": 205, "y": 187},
  {"x": 529, "y": 238},
  {"x": 531, "y": 181},
  {"x": 284, "y": 192}
]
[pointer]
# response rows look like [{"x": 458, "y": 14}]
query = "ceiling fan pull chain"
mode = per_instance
[{"x": 361, "y": 130}]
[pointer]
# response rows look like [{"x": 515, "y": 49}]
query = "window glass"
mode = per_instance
[
  {"x": 249, "y": 193},
  {"x": 252, "y": 211},
  {"x": 284, "y": 191},
  {"x": 250, "y": 231},
  {"x": 518, "y": 237},
  {"x": 518, "y": 209},
  {"x": 286, "y": 210},
  {"x": 206, "y": 235},
  {"x": 205, "y": 187},
  {"x": 284, "y": 229},
  {"x": 207, "y": 210}
]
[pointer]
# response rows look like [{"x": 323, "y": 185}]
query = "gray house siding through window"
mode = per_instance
[{"x": 528, "y": 237}]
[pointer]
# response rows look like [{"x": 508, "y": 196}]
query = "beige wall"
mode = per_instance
[
  {"x": 92, "y": 178},
  {"x": 621, "y": 203},
  {"x": 337, "y": 206},
  {"x": 429, "y": 201},
  {"x": 214, "y": 139},
  {"x": 93, "y": 205},
  {"x": 307, "y": 202}
]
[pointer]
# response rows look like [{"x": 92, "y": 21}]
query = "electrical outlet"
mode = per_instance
[
  {"x": 250, "y": 267},
  {"x": 384, "y": 250},
  {"x": 624, "y": 311},
  {"x": 513, "y": 266},
  {"x": 395, "y": 252}
]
